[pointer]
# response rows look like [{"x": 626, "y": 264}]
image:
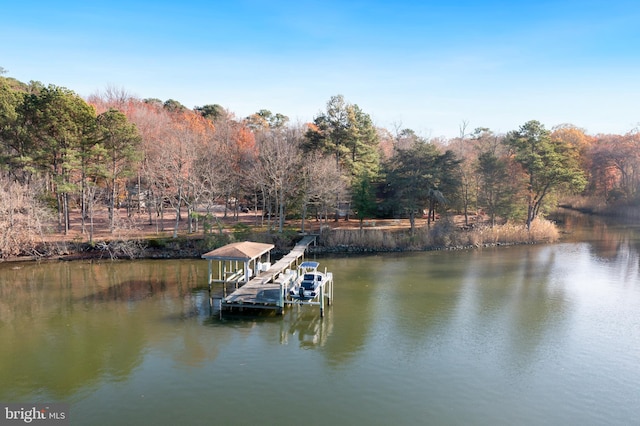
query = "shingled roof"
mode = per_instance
[{"x": 245, "y": 250}]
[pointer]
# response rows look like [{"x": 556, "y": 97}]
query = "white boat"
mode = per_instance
[{"x": 309, "y": 282}]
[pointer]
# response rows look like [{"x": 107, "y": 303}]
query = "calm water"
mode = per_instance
[{"x": 508, "y": 336}]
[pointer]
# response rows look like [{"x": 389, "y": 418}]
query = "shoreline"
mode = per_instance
[
  {"x": 188, "y": 249},
  {"x": 335, "y": 238},
  {"x": 392, "y": 236}
]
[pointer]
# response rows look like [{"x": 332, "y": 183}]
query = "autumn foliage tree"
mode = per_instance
[
  {"x": 615, "y": 166},
  {"x": 547, "y": 164},
  {"x": 151, "y": 155}
]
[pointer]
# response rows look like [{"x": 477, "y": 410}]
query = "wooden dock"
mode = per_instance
[{"x": 267, "y": 289}]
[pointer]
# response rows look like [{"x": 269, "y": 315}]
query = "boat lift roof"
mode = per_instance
[
  {"x": 310, "y": 264},
  {"x": 242, "y": 251}
]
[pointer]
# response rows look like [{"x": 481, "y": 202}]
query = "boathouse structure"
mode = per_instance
[{"x": 259, "y": 284}]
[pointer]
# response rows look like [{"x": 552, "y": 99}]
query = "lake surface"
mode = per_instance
[{"x": 528, "y": 335}]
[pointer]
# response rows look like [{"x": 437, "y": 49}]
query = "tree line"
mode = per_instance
[{"x": 63, "y": 152}]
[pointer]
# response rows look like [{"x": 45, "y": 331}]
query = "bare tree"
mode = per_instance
[
  {"x": 321, "y": 181},
  {"x": 23, "y": 219},
  {"x": 279, "y": 166},
  {"x": 112, "y": 97}
]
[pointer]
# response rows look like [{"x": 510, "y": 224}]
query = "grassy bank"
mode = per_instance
[{"x": 443, "y": 235}]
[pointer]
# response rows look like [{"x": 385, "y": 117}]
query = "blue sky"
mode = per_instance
[{"x": 424, "y": 65}]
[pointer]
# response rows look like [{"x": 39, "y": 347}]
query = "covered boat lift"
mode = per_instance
[
  {"x": 266, "y": 285},
  {"x": 238, "y": 262}
]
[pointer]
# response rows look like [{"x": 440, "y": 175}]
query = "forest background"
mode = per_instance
[{"x": 119, "y": 175}]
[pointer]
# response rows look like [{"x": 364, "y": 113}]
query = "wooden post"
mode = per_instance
[
  {"x": 210, "y": 279},
  {"x": 224, "y": 278},
  {"x": 331, "y": 297},
  {"x": 330, "y": 284},
  {"x": 210, "y": 274}
]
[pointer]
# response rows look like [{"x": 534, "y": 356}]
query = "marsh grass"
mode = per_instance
[
  {"x": 444, "y": 234},
  {"x": 542, "y": 231},
  {"x": 626, "y": 211},
  {"x": 374, "y": 239}
]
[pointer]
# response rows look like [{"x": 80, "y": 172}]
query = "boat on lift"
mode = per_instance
[{"x": 309, "y": 282}]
